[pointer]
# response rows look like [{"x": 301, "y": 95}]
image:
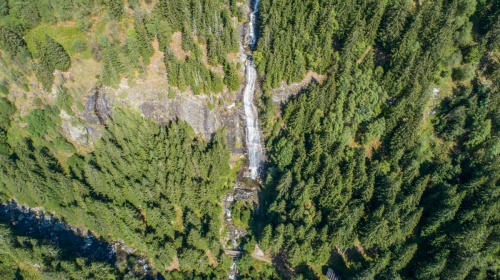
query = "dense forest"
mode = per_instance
[
  {"x": 388, "y": 168},
  {"x": 371, "y": 164}
]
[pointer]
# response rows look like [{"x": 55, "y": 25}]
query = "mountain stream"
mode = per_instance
[{"x": 255, "y": 154}]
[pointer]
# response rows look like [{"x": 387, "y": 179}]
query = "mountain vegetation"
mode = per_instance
[
  {"x": 386, "y": 169},
  {"x": 121, "y": 39},
  {"x": 31, "y": 258},
  {"x": 365, "y": 174},
  {"x": 159, "y": 190}
]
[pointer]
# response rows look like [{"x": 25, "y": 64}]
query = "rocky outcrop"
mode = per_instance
[
  {"x": 282, "y": 94},
  {"x": 199, "y": 111},
  {"x": 196, "y": 112},
  {"x": 98, "y": 106}
]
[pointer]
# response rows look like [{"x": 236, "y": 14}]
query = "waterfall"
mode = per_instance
[
  {"x": 253, "y": 142},
  {"x": 251, "y": 32},
  {"x": 255, "y": 155}
]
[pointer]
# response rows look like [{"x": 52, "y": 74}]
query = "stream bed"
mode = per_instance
[{"x": 245, "y": 191}]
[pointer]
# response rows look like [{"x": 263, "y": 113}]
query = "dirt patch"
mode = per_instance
[
  {"x": 68, "y": 23},
  {"x": 369, "y": 147},
  {"x": 178, "y": 224},
  {"x": 157, "y": 65},
  {"x": 360, "y": 60},
  {"x": 258, "y": 254},
  {"x": 313, "y": 75},
  {"x": 174, "y": 265},
  {"x": 211, "y": 259},
  {"x": 204, "y": 57},
  {"x": 360, "y": 249},
  {"x": 233, "y": 57},
  {"x": 72, "y": 79},
  {"x": 353, "y": 144},
  {"x": 176, "y": 46},
  {"x": 148, "y": 5},
  {"x": 372, "y": 146}
]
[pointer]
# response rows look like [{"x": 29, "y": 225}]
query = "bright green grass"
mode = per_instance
[{"x": 64, "y": 35}]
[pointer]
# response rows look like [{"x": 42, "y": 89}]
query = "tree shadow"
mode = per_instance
[{"x": 72, "y": 242}]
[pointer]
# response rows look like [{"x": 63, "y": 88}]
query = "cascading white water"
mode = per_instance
[
  {"x": 251, "y": 32},
  {"x": 253, "y": 143},
  {"x": 254, "y": 146}
]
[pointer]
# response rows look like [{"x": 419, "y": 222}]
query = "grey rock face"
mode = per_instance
[
  {"x": 282, "y": 94},
  {"x": 98, "y": 106},
  {"x": 193, "y": 109}
]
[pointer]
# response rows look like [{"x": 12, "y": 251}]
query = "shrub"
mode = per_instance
[
  {"x": 62, "y": 145},
  {"x": 39, "y": 121},
  {"x": 464, "y": 73},
  {"x": 4, "y": 89},
  {"x": 79, "y": 46},
  {"x": 64, "y": 100},
  {"x": 473, "y": 55}
]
